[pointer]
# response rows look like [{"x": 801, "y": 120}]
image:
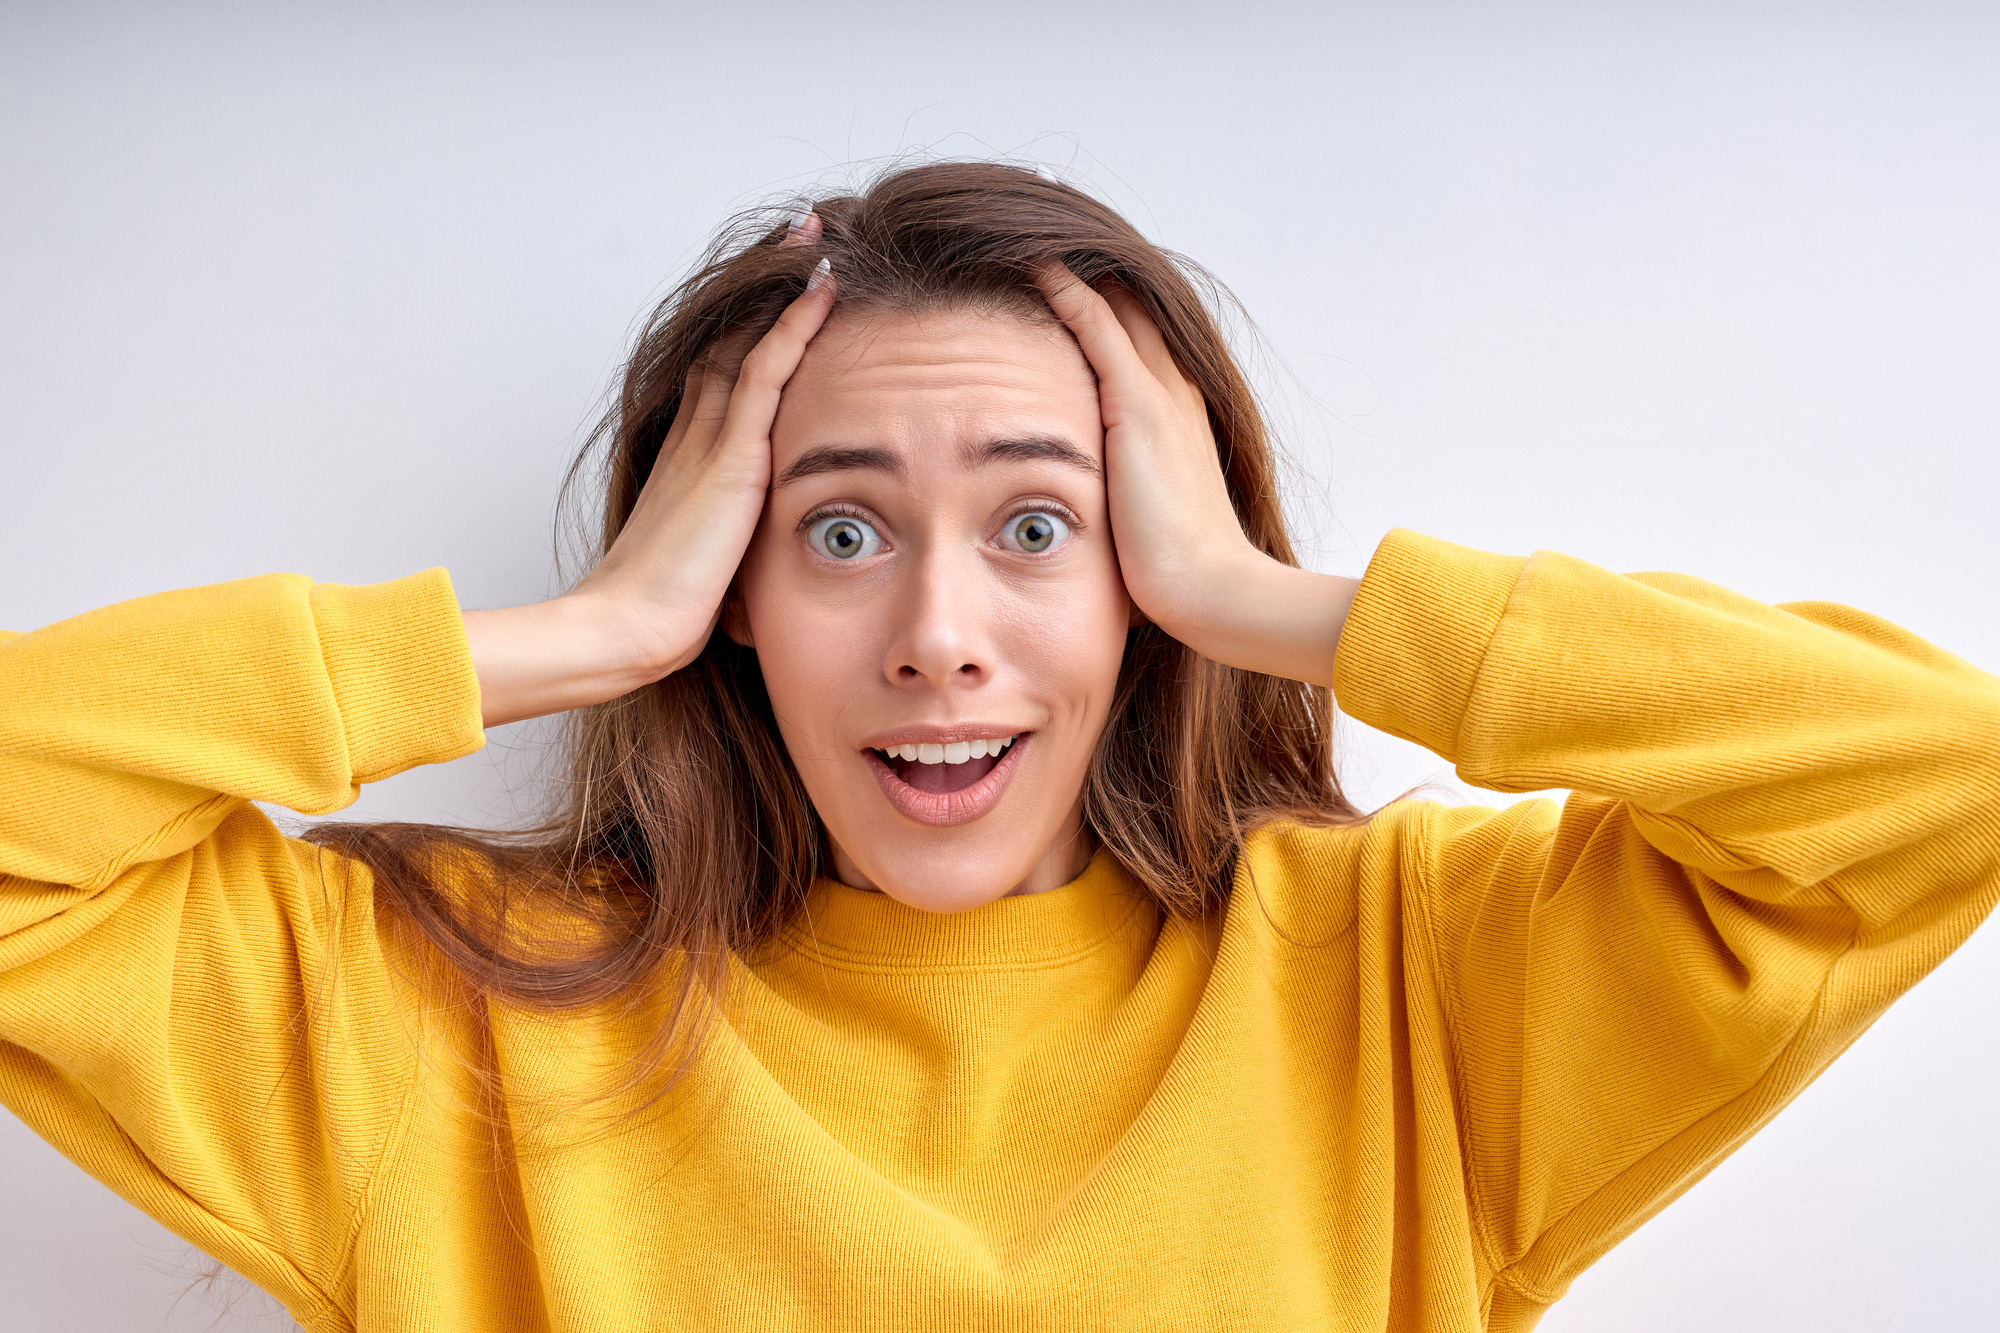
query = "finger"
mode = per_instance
[
  {"x": 753, "y": 400},
  {"x": 684, "y": 412},
  {"x": 804, "y": 230},
  {"x": 697, "y": 422},
  {"x": 1151, "y": 345},
  {"x": 711, "y": 403},
  {"x": 672, "y": 453},
  {"x": 1123, "y": 377}
]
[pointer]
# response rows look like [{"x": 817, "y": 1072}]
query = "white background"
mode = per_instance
[{"x": 1707, "y": 288}]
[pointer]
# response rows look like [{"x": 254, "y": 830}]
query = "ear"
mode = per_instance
[{"x": 735, "y": 620}]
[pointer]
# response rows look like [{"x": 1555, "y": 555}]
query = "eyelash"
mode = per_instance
[
  {"x": 837, "y": 509},
  {"x": 1063, "y": 512}
]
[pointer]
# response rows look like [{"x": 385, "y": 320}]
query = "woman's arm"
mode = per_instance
[
  {"x": 199, "y": 1009},
  {"x": 131, "y": 733},
  {"x": 170, "y": 962},
  {"x": 192, "y": 1006},
  {"x": 1783, "y": 817}
]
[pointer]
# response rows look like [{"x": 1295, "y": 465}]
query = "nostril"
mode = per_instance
[{"x": 970, "y": 668}]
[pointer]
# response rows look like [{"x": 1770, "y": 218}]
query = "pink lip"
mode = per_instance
[
  {"x": 928, "y": 735},
  {"x": 944, "y": 809}
]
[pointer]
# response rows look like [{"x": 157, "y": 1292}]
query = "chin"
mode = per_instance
[
  {"x": 935, "y": 872},
  {"x": 946, "y": 895}
]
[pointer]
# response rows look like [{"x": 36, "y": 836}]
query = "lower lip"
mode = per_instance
[{"x": 944, "y": 809}]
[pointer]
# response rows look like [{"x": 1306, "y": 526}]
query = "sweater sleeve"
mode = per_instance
[
  {"x": 1783, "y": 817},
  {"x": 194, "y": 1007}
]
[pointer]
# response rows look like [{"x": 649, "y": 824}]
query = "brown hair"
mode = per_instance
[{"x": 685, "y": 834}]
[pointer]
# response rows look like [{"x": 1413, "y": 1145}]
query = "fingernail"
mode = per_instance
[
  {"x": 820, "y": 270},
  {"x": 799, "y": 216}
]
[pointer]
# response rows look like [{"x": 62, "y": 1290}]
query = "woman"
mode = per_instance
[{"x": 955, "y": 919}]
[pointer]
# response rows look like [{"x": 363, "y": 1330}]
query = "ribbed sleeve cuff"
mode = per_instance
[
  {"x": 1416, "y": 635},
  {"x": 401, "y": 671}
]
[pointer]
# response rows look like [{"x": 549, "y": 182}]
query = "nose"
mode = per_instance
[{"x": 944, "y": 633}]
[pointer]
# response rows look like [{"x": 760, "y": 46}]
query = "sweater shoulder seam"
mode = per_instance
[
  {"x": 391, "y": 1140},
  {"x": 1422, "y": 838}
]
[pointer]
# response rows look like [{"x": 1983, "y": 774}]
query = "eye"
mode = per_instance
[
  {"x": 1034, "y": 532},
  {"x": 843, "y": 538}
]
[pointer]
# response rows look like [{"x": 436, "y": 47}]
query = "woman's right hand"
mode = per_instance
[{"x": 649, "y": 606}]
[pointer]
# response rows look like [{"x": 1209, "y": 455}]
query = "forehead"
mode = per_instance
[{"x": 902, "y": 379}]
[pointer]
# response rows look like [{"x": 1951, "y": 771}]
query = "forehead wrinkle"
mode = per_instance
[
  {"x": 931, "y": 371},
  {"x": 921, "y": 383},
  {"x": 930, "y": 349}
]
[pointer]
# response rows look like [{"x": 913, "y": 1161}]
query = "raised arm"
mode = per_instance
[
  {"x": 193, "y": 1007},
  {"x": 200, "y": 1010},
  {"x": 1783, "y": 817}
]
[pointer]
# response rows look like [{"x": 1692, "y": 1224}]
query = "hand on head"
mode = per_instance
[
  {"x": 1186, "y": 562},
  {"x": 651, "y": 604},
  {"x": 1184, "y": 558},
  {"x": 673, "y": 561},
  {"x": 1176, "y": 531}
]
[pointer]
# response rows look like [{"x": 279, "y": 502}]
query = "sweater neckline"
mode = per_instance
[{"x": 867, "y": 927}]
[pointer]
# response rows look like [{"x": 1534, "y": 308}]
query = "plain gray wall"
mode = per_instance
[{"x": 1664, "y": 286}]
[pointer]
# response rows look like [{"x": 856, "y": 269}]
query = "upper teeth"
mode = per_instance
[{"x": 955, "y": 753}]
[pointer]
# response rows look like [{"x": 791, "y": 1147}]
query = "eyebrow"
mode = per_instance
[
  {"x": 1030, "y": 448},
  {"x": 840, "y": 458},
  {"x": 848, "y": 457}
]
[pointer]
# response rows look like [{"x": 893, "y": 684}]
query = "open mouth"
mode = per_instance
[
  {"x": 940, "y": 769},
  {"x": 944, "y": 784}
]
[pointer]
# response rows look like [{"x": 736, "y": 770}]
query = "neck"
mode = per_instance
[{"x": 1063, "y": 862}]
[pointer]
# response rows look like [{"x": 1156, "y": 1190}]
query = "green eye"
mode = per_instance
[
  {"x": 1034, "y": 533},
  {"x": 843, "y": 538}
]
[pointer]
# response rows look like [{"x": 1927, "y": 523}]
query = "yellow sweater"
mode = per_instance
[{"x": 1423, "y": 1073}]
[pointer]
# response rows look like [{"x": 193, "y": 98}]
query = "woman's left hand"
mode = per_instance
[{"x": 1187, "y": 564}]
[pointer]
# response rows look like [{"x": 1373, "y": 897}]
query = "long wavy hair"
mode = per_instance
[{"x": 683, "y": 835}]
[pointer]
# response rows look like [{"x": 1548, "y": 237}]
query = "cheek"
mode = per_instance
[
  {"x": 808, "y": 645},
  {"x": 1068, "y": 638}
]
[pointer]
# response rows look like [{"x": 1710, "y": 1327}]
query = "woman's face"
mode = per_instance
[{"x": 934, "y": 569}]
